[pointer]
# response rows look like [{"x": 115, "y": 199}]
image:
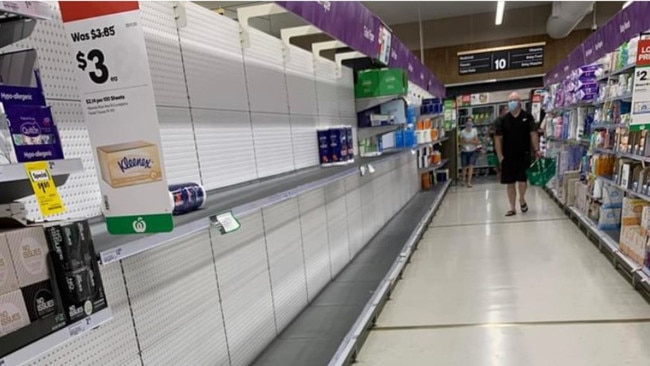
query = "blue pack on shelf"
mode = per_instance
[{"x": 431, "y": 106}]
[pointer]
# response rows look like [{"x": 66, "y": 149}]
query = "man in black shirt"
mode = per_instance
[{"x": 515, "y": 132}]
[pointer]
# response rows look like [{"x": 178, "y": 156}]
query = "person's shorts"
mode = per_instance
[
  {"x": 513, "y": 169},
  {"x": 468, "y": 158}
]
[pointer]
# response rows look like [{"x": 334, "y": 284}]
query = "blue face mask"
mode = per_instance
[{"x": 512, "y": 105}]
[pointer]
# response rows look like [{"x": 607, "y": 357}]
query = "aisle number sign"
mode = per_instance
[
  {"x": 641, "y": 91},
  {"x": 117, "y": 98},
  {"x": 47, "y": 197}
]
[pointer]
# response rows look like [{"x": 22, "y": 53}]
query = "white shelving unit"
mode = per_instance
[
  {"x": 57, "y": 339},
  {"x": 363, "y": 104},
  {"x": 14, "y": 183}
]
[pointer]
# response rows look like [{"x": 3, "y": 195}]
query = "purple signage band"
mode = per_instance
[
  {"x": 353, "y": 24},
  {"x": 627, "y": 23}
]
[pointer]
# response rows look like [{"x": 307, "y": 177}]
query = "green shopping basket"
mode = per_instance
[
  {"x": 492, "y": 160},
  {"x": 541, "y": 171}
]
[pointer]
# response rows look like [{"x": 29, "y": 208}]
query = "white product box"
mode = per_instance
[
  {"x": 29, "y": 253},
  {"x": 645, "y": 219},
  {"x": 13, "y": 313},
  {"x": 609, "y": 219},
  {"x": 8, "y": 280},
  {"x": 129, "y": 164},
  {"x": 612, "y": 197}
]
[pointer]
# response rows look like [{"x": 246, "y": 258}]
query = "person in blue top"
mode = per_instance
[{"x": 515, "y": 141}]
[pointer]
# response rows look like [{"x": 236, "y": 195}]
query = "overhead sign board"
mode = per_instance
[{"x": 501, "y": 59}]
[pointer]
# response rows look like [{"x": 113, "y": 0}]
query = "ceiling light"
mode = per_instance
[
  {"x": 627, "y": 3},
  {"x": 501, "y": 5}
]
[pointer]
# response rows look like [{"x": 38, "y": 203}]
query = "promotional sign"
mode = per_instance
[
  {"x": 501, "y": 59},
  {"x": 641, "y": 92},
  {"x": 47, "y": 197},
  {"x": 119, "y": 107},
  {"x": 385, "y": 40}
]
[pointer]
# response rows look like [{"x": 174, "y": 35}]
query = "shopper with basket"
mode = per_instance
[{"x": 515, "y": 134}]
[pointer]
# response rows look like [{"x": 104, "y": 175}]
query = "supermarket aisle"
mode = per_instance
[{"x": 483, "y": 289}]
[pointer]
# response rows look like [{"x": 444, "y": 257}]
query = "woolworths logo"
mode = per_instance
[{"x": 139, "y": 225}]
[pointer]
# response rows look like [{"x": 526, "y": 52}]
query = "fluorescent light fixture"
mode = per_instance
[
  {"x": 501, "y": 5},
  {"x": 627, "y": 3}
]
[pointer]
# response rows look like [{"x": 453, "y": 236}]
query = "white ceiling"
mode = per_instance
[{"x": 399, "y": 12}]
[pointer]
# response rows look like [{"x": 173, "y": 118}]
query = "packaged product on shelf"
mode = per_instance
[
  {"x": 75, "y": 269},
  {"x": 187, "y": 197},
  {"x": 13, "y": 313},
  {"x": 29, "y": 253},
  {"x": 609, "y": 219},
  {"x": 612, "y": 196},
  {"x": 631, "y": 212},
  {"x": 338, "y": 144},
  {"x": 571, "y": 192},
  {"x": 350, "y": 140},
  {"x": 40, "y": 300},
  {"x": 324, "y": 146},
  {"x": 33, "y": 132},
  {"x": 645, "y": 219},
  {"x": 633, "y": 243},
  {"x": 7, "y": 154},
  {"x": 8, "y": 280}
]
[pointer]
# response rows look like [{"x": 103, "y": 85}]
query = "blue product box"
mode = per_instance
[
  {"x": 348, "y": 130},
  {"x": 338, "y": 146},
  {"x": 409, "y": 137},
  {"x": 324, "y": 146},
  {"x": 399, "y": 138},
  {"x": 345, "y": 156},
  {"x": 33, "y": 133}
]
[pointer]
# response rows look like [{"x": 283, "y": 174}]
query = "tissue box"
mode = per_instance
[
  {"x": 645, "y": 219},
  {"x": 34, "y": 135},
  {"x": 632, "y": 209},
  {"x": 13, "y": 313},
  {"x": 633, "y": 243},
  {"x": 609, "y": 219},
  {"x": 29, "y": 253},
  {"x": 8, "y": 280},
  {"x": 612, "y": 197}
]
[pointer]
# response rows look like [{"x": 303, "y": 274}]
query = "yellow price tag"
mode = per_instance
[{"x": 44, "y": 188}]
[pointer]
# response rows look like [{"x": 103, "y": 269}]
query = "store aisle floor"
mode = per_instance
[{"x": 528, "y": 290}]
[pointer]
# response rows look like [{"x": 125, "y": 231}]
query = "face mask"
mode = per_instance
[
  {"x": 469, "y": 125},
  {"x": 512, "y": 105}
]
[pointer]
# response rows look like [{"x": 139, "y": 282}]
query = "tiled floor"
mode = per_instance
[{"x": 483, "y": 289}]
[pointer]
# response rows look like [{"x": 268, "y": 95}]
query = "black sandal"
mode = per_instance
[
  {"x": 524, "y": 207},
  {"x": 510, "y": 213}
]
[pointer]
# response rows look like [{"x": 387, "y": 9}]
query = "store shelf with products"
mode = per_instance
[
  {"x": 240, "y": 200},
  {"x": 440, "y": 165},
  {"x": 607, "y": 244},
  {"x": 246, "y": 132},
  {"x": 57, "y": 339}
]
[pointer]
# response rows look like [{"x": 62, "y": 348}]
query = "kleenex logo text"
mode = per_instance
[{"x": 129, "y": 163}]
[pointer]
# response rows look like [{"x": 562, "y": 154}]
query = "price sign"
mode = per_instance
[
  {"x": 641, "y": 91},
  {"x": 47, "y": 197},
  {"x": 501, "y": 59},
  {"x": 228, "y": 222},
  {"x": 117, "y": 97}
]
